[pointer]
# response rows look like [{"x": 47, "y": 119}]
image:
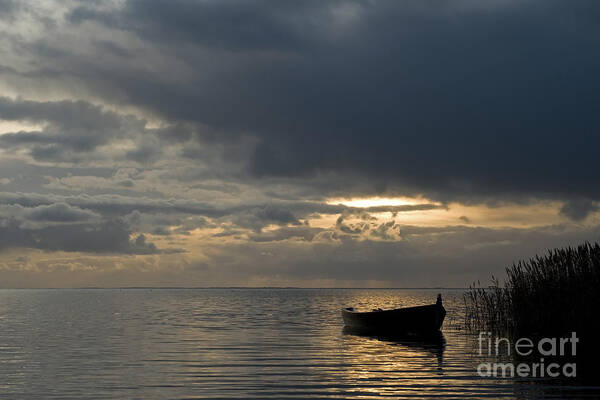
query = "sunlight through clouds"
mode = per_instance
[{"x": 177, "y": 143}]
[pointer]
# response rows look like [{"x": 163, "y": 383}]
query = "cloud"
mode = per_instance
[
  {"x": 256, "y": 218},
  {"x": 304, "y": 233},
  {"x": 60, "y": 212},
  {"x": 224, "y": 127},
  {"x": 112, "y": 205},
  {"x": 72, "y": 128},
  {"x": 436, "y": 257},
  {"x": 43, "y": 215},
  {"x": 230, "y": 25},
  {"x": 352, "y": 229},
  {"x": 246, "y": 214},
  {"x": 108, "y": 237},
  {"x": 579, "y": 209},
  {"x": 7, "y": 8},
  {"x": 386, "y": 231},
  {"x": 453, "y": 101}
]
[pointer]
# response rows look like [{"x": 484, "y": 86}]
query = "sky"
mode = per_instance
[{"x": 284, "y": 143}]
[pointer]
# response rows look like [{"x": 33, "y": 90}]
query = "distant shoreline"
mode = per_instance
[{"x": 231, "y": 287}]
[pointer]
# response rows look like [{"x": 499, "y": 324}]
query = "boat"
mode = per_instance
[{"x": 419, "y": 320}]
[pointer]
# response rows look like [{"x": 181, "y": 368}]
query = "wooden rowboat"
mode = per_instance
[{"x": 418, "y": 320}]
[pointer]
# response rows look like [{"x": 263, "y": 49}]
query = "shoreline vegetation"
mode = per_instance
[{"x": 552, "y": 294}]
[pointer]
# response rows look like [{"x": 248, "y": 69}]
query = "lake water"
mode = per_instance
[{"x": 235, "y": 343}]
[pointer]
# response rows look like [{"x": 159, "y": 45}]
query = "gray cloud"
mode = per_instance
[
  {"x": 46, "y": 215},
  {"x": 256, "y": 218},
  {"x": 73, "y": 127},
  {"x": 579, "y": 209},
  {"x": 108, "y": 237},
  {"x": 112, "y": 205},
  {"x": 60, "y": 212},
  {"x": 305, "y": 233},
  {"x": 7, "y": 8}
]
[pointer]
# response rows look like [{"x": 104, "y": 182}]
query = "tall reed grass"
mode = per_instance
[{"x": 547, "y": 295}]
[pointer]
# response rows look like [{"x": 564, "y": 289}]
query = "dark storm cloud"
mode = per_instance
[
  {"x": 231, "y": 25},
  {"x": 453, "y": 100}
]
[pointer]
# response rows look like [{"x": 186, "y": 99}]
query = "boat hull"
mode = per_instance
[{"x": 418, "y": 320}]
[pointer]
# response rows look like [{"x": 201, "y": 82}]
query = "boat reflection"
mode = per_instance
[{"x": 433, "y": 344}]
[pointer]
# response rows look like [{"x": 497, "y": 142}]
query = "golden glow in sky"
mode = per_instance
[
  {"x": 20, "y": 126},
  {"x": 366, "y": 202},
  {"x": 505, "y": 215}
]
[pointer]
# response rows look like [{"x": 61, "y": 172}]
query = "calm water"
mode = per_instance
[{"x": 233, "y": 343}]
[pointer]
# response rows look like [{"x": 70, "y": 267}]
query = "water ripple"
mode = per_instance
[{"x": 232, "y": 343}]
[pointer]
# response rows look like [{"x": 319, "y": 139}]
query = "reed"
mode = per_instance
[{"x": 552, "y": 294}]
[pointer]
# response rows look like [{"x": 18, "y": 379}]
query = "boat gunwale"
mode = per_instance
[{"x": 355, "y": 312}]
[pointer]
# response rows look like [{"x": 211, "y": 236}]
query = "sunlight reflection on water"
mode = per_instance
[{"x": 236, "y": 343}]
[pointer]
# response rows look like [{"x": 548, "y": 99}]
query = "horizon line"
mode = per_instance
[{"x": 232, "y": 287}]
